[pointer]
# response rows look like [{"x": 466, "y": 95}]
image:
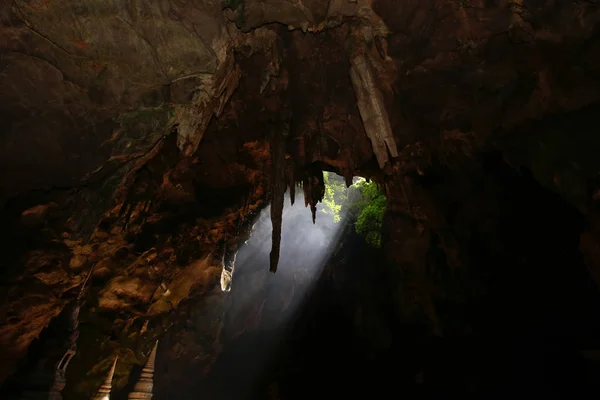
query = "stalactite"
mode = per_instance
[
  {"x": 278, "y": 187},
  {"x": 372, "y": 109},
  {"x": 291, "y": 178},
  {"x": 313, "y": 186},
  {"x": 348, "y": 176}
]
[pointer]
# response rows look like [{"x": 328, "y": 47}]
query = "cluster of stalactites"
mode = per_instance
[
  {"x": 377, "y": 126},
  {"x": 313, "y": 186},
  {"x": 283, "y": 177}
]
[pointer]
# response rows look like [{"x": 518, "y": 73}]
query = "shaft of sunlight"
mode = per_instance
[
  {"x": 260, "y": 305},
  {"x": 305, "y": 248}
]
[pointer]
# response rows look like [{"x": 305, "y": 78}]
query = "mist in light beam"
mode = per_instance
[{"x": 260, "y": 304}]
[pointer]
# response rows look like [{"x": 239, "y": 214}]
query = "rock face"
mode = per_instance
[{"x": 140, "y": 136}]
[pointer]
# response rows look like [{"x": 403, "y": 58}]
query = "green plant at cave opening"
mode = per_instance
[
  {"x": 335, "y": 196},
  {"x": 363, "y": 201},
  {"x": 370, "y": 210}
]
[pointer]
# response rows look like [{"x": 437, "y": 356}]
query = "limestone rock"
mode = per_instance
[{"x": 122, "y": 292}]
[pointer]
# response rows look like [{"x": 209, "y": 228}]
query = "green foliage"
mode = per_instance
[
  {"x": 371, "y": 210},
  {"x": 363, "y": 200},
  {"x": 335, "y": 196}
]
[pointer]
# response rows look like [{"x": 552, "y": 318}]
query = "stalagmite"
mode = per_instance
[
  {"x": 372, "y": 110},
  {"x": 104, "y": 391},
  {"x": 277, "y": 194},
  {"x": 143, "y": 388}
]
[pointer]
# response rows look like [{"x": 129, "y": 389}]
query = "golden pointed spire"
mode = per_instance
[
  {"x": 104, "y": 391},
  {"x": 143, "y": 388}
]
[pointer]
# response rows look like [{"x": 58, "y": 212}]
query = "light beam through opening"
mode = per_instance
[{"x": 260, "y": 304}]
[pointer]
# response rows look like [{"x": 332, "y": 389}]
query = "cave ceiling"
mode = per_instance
[{"x": 138, "y": 136}]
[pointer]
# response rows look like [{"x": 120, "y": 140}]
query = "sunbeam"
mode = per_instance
[{"x": 262, "y": 305}]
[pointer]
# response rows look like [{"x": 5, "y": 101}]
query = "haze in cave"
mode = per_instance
[
  {"x": 276, "y": 199},
  {"x": 258, "y": 316}
]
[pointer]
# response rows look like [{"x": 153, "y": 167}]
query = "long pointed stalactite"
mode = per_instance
[
  {"x": 278, "y": 186},
  {"x": 291, "y": 178}
]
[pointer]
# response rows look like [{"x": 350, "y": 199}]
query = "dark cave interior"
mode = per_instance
[
  {"x": 170, "y": 184},
  {"x": 527, "y": 333},
  {"x": 524, "y": 328},
  {"x": 527, "y": 317},
  {"x": 522, "y": 320}
]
